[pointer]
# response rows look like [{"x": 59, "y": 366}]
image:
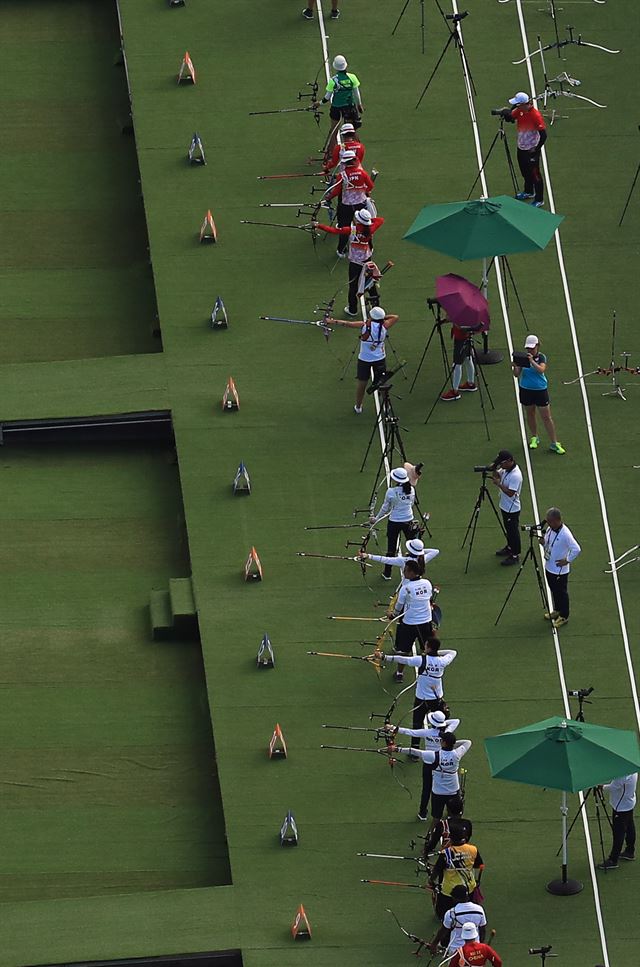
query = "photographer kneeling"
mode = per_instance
[{"x": 507, "y": 476}]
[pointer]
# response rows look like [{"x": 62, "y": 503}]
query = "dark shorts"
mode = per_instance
[
  {"x": 534, "y": 397},
  {"x": 461, "y": 351},
  {"x": 348, "y": 113},
  {"x": 363, "y": 372}
]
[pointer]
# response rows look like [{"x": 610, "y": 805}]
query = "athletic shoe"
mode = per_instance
[
  {"x": 557, "y": 448},
  {"x": 559, "y": 622},
  {"x": 307, "y": 14},
  {"x": 512, "y": 559},
  {"x": 628, "y": 854},
  {"x": 357, "y": 409},
  {"x": 523, "y": 196},
  {"x": 349, "y": 312},
  {"x": 341, "y": 255},
  {"x": 537, "y": 204},
  {"x": 385, "y": 577},
  {"x": 334, "y": 15},
  {"x": 503, "y": 552},
  {"x": 450, "y": 395},
  {"x": 467, "y": 388},
  {"x": 551, "y": 615},
  {"x": 533, "y": 442},
  {"x": 608, "y": 865},
  {"x": 423, "y": 819},
  {"x": 397, "y": 676}
]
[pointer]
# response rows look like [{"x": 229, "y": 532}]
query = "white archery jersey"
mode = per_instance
[
  {"x": 446, "y": 763},
  {"x": 430, "y": 671},
  {"x": 455, "y": 918},
  {"x": 398, "y": 505},
  {"x": 372, "y": 337},
  {"x": 414, "y": 602}
]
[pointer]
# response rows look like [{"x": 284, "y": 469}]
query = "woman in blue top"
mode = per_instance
[{"x": 534, "y": 394}]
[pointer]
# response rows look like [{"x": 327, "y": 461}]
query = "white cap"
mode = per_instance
[
  {"x": 347, "y": 129},
  {"x": 519, "y": 98},
  {"x": 363, "y": 216},
  {"x": 340, "y": 63},
  {"x": 347, "y": 154},
  {"x": 377, "y": 313},
  {"x": 400, "y": 475},
  {"x": 437, "y": 719},
  {"x": 531, "y": 341},
  {"x": 469, "y": 931},
  {"x": 415, "y": 547}
]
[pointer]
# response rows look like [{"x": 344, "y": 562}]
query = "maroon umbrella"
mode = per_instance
[{"x": 463, "y": 302}]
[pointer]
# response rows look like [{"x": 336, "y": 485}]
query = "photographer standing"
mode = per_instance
[
  {"x": 534, "y": 393},
  {"x": 560, "y": 549},
  {"x": 622, "y": 799},
  {"x": 507, "y": 477},
  {"x": 532, "y": 134}
]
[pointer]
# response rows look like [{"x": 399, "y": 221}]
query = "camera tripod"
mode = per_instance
[
  {"x": 542, "y": 952},
  {"x": 500, "y": 135},
  {"x": 387, "y": 426},
  {"x": 433, "y": 304},
  {"x": 402, "y": 13},
  {"x": 483, "y": 494},
  {"x": 455, "y": 39},
  {"x": 534, "y": 534},
  {"x": 633, "y": 185},
  {"x": 483, "y": 387}
]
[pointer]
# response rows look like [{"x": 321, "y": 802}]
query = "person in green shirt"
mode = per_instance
[{"x": 343, "y": 93}]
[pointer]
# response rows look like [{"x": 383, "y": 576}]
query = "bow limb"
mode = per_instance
[{"x": 412, "y": 936}]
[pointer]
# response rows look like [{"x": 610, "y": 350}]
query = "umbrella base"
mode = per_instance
[
  {"x": 489, "y": 358},
  {"x": 565, "y": 887}
]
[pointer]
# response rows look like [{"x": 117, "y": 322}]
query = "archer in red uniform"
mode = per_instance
[
  {"x": 474, "y": 952},
  {"x": 350, "y": 142}
]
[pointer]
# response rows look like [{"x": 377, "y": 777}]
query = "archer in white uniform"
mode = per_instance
[
  {"x": 398, "y": 505},
  {"x": 446, "y": 765},
  {"x": 429, "y": 691},
  {"x": 415, "y": 551},
  {"x": 437, "y": 725}
]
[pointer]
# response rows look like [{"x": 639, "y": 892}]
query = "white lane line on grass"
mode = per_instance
[
  {"x": 534, "y": 500},
  {"x": 585, "y": 398}
]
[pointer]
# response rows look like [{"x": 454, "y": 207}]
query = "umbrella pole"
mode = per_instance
[{"x": 564, "y": 886}]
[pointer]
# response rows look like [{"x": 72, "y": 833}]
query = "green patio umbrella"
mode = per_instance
[
  {"x": 484, "y": 228},
  {"x": 560, "y": 753}
]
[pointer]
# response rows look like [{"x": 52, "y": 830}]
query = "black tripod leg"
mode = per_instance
[
  {"x": 510, "y": 165},
  {"x": 513, "y": 586},
  {"x": 435, "y": 69},
  {"x": 371, "y": 438},
  {"x": 626, "y": 204},
  {"x": 424, "y": 356},
  {"x": 437, "y": 399},
  {"x": 486, "y": 158},
  {"x": 505, "y": 264},
  {"x": 402, "y": 13},
  {"x": 349, "y": 361}
]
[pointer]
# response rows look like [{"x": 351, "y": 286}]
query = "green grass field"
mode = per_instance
[{"x": 303, "y": 446}]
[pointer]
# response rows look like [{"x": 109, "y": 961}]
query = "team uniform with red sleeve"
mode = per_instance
[
  {"x": 334, "y": 160},
  {"x": 360, "y": 245},
  {"x": 351, "y": 186},
  {"x": 532, "y": 133},
  {"x": 475, "y": 952}
]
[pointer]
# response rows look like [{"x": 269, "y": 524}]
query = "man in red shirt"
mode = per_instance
[
  {"x": 474, "y": 952},
  {"x": 532, "y": 134}
]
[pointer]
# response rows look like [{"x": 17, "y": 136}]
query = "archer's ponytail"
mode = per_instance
[{"x": 406, "y": 487}]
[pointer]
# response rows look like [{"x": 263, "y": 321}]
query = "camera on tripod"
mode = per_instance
[
  {"x": 490, "y": 467},
  {"x": 536, "y": 529},
  {"x": 540, "y": 950},
  {"x": 581, "y": 692}
]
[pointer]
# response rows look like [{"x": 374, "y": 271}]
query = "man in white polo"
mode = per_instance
[
  {"x": 622, "y": 799},
  {"x": 560, "y": 549}
]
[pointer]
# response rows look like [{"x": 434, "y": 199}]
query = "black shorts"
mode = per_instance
[
  {"x": 348, "y": 113},
  {"x": 534, "y": 397},
  {"x": 363, "y": 371},
  {"x": 461, "y": 351}
]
